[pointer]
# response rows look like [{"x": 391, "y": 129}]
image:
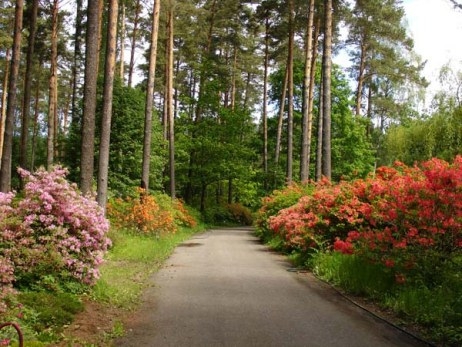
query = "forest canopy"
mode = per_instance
[{"x": 213, "y": 101}]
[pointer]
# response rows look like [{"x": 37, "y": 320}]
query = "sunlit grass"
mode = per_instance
[
  {"x": 352, "y": 273},
  {"x": 130, "y": 262},
  {"x": 438, "y": 308}
]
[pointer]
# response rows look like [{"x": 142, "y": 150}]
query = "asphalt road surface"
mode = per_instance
[{"x": 224, "y": 288}]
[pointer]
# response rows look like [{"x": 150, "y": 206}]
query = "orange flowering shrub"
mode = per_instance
[
  {"x": 182, "y": 215},
  {"x": 149, "y": 214}
]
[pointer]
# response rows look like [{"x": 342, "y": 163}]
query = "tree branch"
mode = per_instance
[{"x": 456, "y": 4}]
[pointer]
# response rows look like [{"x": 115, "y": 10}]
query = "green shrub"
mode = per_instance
[{"x": 45, "y": 310}]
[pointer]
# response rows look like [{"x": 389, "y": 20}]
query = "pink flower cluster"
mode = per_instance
[{"x": 52, "y": 227}]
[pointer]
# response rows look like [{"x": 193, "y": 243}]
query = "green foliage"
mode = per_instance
[
  {"x": 49, "y": 310},
  {"x": 126, "y": 149},
  {"x": 352, "y": 273},
  {"x": 352, "y": 153},
  {"x": 228, "y": 215},
  {"x": 438, "y": 136}
]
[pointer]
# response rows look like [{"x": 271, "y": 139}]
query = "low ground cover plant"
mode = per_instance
[{"x": 405, "y": 223}]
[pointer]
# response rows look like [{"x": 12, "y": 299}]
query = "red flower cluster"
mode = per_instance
[{"x": 395, "y": 216}]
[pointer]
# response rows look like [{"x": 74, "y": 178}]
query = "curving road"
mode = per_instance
[{"x": 223, "y": 288}]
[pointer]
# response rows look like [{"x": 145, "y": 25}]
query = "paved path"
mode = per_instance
[{"x": 223, "y": 288}]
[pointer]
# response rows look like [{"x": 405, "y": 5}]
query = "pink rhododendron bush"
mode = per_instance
[
  {"x": 407, "y": 218},
  {"x": 50, "y": 232}
]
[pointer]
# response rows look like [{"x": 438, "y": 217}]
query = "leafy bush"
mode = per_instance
[
  {"x": 228, "y": 214},
  {"x": 240, "y": 213},
  {"x": 53, "y": 233},
  {"x": 150, "y": 214},
  {"x": 46, "y": 310},
  {"x": 277, "y": 201}
]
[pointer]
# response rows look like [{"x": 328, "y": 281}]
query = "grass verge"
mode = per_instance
[
  {"x": 130, "y": 262},
  {"x": 434, "y": 309}
]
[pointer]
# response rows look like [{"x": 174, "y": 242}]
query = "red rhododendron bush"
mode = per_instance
[
  {"x": 277, "y": 201},
  {"x": 408, "y": 218},
  {"x": 50, "y": 233}
]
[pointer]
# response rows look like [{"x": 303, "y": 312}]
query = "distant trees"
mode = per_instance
[{"x": 228, "y": 103}]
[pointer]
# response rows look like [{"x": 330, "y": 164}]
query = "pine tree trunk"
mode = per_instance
[
  {"x": 320, "y": 133},
  {"x": 131, "y": 65},
  {"x": 4, "y": 97},
  {"x": 89, "y": 97},
  {"x": 265, "y": 105},
  {"x": 35, "y": 127},
  {"x": 77, "y": 60},
  {"x": 326, "y": 85},
  {"x": 359, "y": 89},
  {"x": 33, "y": 4},
  {"x": 53, "y": 91},
  {"x": 150, "y": 97},
  {"x": 109, "y": 72},
  {"x": 171, "y": 119},
  {"x": 307, "y": 115},
  {"x": 233, "y": 80},
  {"x": 290, "y": 113},
  {"x": 122, "y": 44},
  {"x": 5, "y": 171},
  {"x": 281, "y": 118}
]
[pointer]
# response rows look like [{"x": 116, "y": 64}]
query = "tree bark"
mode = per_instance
[
  {"x": 122, "y": 44},
  {"x": 290, "y": 102},
  {"x": 109, "y": 72},
  {"x": 359, "y": 89},
  {"x": 27, "y": 84},
  {"x": 53, "y": 91},
  {"x": 281, "y": 118},
  {"x": 326, "y": 85},
  {"x": 89, "y": 97},
  {"x": 320, "y": 133},
  {"x": 4, "y": 97},
  {"x": 307, "y": 115},
  {"x": 150, "y": 97},
  {"x": 36, "y": 125},
  {"x": 171, "y": 119},
  {"x": 5, "y": 171},
  {"x": 77, "y": 59},
  {"x": 131, "y": 65},
  {"x": 265, "y": 104}
]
